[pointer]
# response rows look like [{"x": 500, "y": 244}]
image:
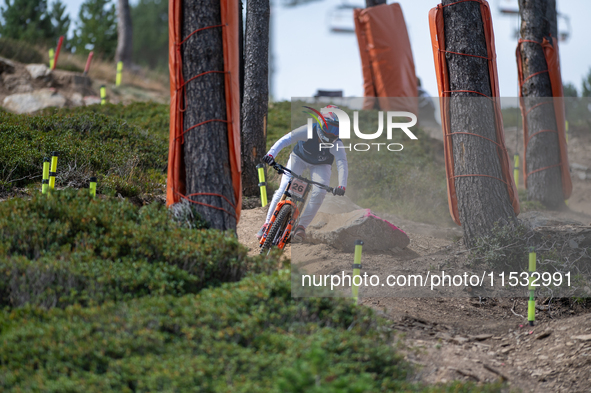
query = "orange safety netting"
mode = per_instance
[
  {"x": 436, "y": 24},
  {"x": 386, "y": 58},
  {"x": 175, "y": 189},
  {"x": 553, "y": 61}
]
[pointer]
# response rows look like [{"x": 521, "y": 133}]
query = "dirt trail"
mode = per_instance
[{"x": 462, "y": 338}]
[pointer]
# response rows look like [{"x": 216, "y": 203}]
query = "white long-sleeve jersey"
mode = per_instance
[{"x": 300, "y": 134}]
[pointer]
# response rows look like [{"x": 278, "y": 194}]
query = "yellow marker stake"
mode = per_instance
[
  {"x": 262, "y": 184},
  {"x": 92, "y": 187},
  {"x": 566, "y": 129},
  {"x": 531, "y": 304},
  {"x": 103, "y": 95},
  {"x": 45, "y": 181},
  {"x": 51, "y": 58},
  {"x": 119, "y": 71},
  {"x": 516, "y": 169},
  {"x": 53, "y": 172},
  {"x": 356, "y": 269}
]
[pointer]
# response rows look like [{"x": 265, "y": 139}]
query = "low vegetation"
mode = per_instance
[
  {"x": 127, "y": 157},
  {"x": 67, "y": 248},
  {"x": 102, "y": 295}
]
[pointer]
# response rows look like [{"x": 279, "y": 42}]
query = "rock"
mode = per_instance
[
  {"x": 31, "y": 102},
  {"x": 586, "y": 337},
  {"x": 460, "y": 340},
  {"x": 91, "y": 100},
  {"x": 507, "y": 350},
  {"x": 77, "y": 99},
  {"x": 82, "y": 80},
  {"x": 37, "y": 70},
  {"x": 578, "y": 167},
  {"x": 16, "y": 84},
  {"x": 480, "y": 337},
  {"x": 341, "y": 231},
  {"x": 6, "y": 66}
]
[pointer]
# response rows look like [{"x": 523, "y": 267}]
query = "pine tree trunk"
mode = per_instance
[
  {"x": 482, "y": 201},
  {"x": 124, "y": 33},
  {"x": 552, "y": 18},
  {"x": 373, "y": 3},
  {"x": 256, "y": 93},
  {"x": 543, "y": 149},
  {"x": 206, "y": 146}
]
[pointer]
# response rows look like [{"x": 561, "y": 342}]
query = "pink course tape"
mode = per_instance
[{"x": 370, "y": 214}]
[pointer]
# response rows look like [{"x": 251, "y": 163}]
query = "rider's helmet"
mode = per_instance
[{"x": 329, "y": 132}]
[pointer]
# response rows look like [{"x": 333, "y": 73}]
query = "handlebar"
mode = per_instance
[{"x": 281, "y": 170}]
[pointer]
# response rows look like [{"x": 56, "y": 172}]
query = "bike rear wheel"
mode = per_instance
[{"x": 278, "y": 227}]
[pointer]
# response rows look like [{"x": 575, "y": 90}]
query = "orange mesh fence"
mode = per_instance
[
  {"x": 176, "y": 189},
  {"x": 436, "y": 25},
  {"x": 386, "y": 58},
  {"x": 552, "y": 57}
]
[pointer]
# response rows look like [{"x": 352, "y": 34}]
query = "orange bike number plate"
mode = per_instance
[{"x": 298, "y": 187}]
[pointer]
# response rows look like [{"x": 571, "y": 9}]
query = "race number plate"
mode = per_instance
[{"x": 298, "y": 188}]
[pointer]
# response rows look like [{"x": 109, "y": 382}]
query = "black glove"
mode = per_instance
[
  {"x": 340, "y": 191},
  {"x": 269, "y": 159}
]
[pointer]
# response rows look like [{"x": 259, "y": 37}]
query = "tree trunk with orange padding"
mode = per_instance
[
  {"x": 206, "y": 154},
  {"x": 483, "y": 201},
  {"x": 543, "y": 149}
]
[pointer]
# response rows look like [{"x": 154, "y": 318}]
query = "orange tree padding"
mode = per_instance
[
  {"x": 436, "y": 25},
  {"x": 386, "y": 57},
  {"x": 175, "y": 189},
  {"x": 552, "y": 57}
]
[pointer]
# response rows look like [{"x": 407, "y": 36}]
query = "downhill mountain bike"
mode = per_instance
[{"x": 287, "y": 212}]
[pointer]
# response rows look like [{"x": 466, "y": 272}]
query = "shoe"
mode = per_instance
[
  {"x": 299, "y": 236},
  {"x": 261, "y": 231}
]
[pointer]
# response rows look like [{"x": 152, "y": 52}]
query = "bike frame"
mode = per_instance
[{"x": 288, "y": 199}]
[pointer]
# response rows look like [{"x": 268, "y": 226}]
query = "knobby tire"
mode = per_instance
[{"x": 279, "y": 224}]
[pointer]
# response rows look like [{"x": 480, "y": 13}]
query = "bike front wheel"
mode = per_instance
[{"x": 277, "y": 228}]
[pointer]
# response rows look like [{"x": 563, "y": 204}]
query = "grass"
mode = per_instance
[
  {"x": 107, "y": 70},
  {"x": 100, "y": 69}
]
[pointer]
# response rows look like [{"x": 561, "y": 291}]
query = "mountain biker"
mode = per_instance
[{"x": 310, "y": 154}]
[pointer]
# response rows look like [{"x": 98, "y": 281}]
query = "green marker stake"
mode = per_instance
[
  {"x": 53, "y": 172},
  {"x": 92, "y": 187},
  {"x": 103, "y": 95},
  {"x": 45, "y": 181},
  {"x": 516, "y": 169},
  {"x": 51, "y": 58},
  {"x": 262, "y": 184},
  {"x": 119, "y": 71},
  {"x": 357, "y": 269},
  {"x": 531, "y": 304}
]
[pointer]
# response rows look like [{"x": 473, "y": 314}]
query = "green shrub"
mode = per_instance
[
  {"x": 89, "y": 144},
  {"x": 250, "y": 336},
  {"x": 66, "y": 248},
  {"x": 56, "y": 282},
  {"x": 20, "y": 51}
]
